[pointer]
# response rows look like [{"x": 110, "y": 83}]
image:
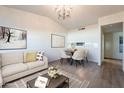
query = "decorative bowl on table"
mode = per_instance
[{"x": 53, "y": 72}]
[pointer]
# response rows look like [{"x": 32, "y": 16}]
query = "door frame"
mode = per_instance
[{"x": 100, "y": 49}]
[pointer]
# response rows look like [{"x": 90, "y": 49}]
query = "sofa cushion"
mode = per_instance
[
  {"x": 34, "y": 64},
  {"x": 13, "y": 69},
  {"x": 30, "y": 57},
  {"x": 12, "y": 58}
]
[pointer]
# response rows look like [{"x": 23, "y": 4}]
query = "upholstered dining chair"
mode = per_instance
[
  {"x": 64, "y": 56},
  {"x": 78, "y": 57},
  {"x": 85, "y": 54}
]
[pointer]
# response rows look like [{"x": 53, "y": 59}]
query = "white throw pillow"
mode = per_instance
[{"x": 39, "y": 56}]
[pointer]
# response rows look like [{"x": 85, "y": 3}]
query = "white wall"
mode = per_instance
[
  {"x": 90, "y": 37},
  {"x": 39, "y": 29},
  {"x": 108, "y": 45},
  {"x": 116, "y": 53},
  {"x": 112, "y": 45},
  {"x": 103, "y": 42},
  {"x": 110, "y": 19}
]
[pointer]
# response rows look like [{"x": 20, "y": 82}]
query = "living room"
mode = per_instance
[{"x": 45, "y": 32}]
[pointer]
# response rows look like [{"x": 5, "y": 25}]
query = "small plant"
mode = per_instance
[{"x": 52, "y": 72}]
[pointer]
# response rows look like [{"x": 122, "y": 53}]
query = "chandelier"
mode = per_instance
[{"x": 63, "y": 12}]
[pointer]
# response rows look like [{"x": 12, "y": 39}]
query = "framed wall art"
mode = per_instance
[
  {"x": 11, "y": 38},
  {"x": 57, "y": 41}
]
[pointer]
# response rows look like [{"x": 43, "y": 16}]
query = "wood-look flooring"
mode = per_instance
[{"x": 109, "y": 75}]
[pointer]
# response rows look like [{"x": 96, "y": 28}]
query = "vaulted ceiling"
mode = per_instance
[{"x": 81, "y": 15}]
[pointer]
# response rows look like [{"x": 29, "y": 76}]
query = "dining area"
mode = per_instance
[{"x": 75, "y": 56}]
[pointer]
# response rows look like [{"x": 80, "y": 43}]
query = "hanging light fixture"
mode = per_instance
[{"x": 63, "y": 11}]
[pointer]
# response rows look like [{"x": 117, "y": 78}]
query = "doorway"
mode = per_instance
[{"x": 112, "y": 43}]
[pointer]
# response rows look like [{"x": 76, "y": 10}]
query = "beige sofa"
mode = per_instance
[{"x": 12, "y": 66}]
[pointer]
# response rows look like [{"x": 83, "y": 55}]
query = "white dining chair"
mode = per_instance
[
  {"x": 85, "y": 54},
  {"x": 64, "y": 56},
  {"x": 78, "y": 57}
]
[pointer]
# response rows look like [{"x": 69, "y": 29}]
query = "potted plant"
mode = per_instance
[{"x": 53, "y": 72}]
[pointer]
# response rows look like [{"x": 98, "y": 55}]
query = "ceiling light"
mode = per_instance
[{"x": 63, "y": 11}]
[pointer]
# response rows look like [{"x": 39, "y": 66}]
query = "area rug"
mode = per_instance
[{"x": 74, "y": 82}]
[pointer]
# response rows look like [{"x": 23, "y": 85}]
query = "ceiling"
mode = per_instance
[
  {"x": 117, "y": 27},
  {"x": 81, "y": 15}
]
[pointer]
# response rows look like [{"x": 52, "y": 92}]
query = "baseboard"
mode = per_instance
[
  {"x": 113, "y": 58},
  {"x": 91, "y": 60},
  {"x": 53, "y": 61}
]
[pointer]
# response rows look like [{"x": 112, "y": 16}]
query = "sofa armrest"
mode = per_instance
[
  {"x": 45, "y": 59},
  {"x": 1, "y": 80}
]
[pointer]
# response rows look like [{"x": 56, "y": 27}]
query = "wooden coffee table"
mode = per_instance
[{"x": 60, "y": 82}]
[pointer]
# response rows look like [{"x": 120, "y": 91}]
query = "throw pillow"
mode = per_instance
[
  {"x": 30, "y": 57},
  {"x": 39, "y": 56}
]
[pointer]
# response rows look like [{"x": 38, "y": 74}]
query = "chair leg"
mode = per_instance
[
  {"x": 76, "y": 63},
  {"x": 82, "y": 61},
  {"x": 71, "y": 61},
  {"x": 86, "y": 59},
  {"x": 68, "y": 59}
]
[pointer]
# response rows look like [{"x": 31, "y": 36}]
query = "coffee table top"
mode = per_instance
[{"x": 53, "y": 83}]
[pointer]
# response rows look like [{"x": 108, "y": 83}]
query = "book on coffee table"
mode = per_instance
[{"x": 41, "y": 82}]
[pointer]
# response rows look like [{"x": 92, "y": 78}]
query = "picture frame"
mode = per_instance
[
  {"x": 12, "y": 38},
  {"x": 57, "y": 41}
]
